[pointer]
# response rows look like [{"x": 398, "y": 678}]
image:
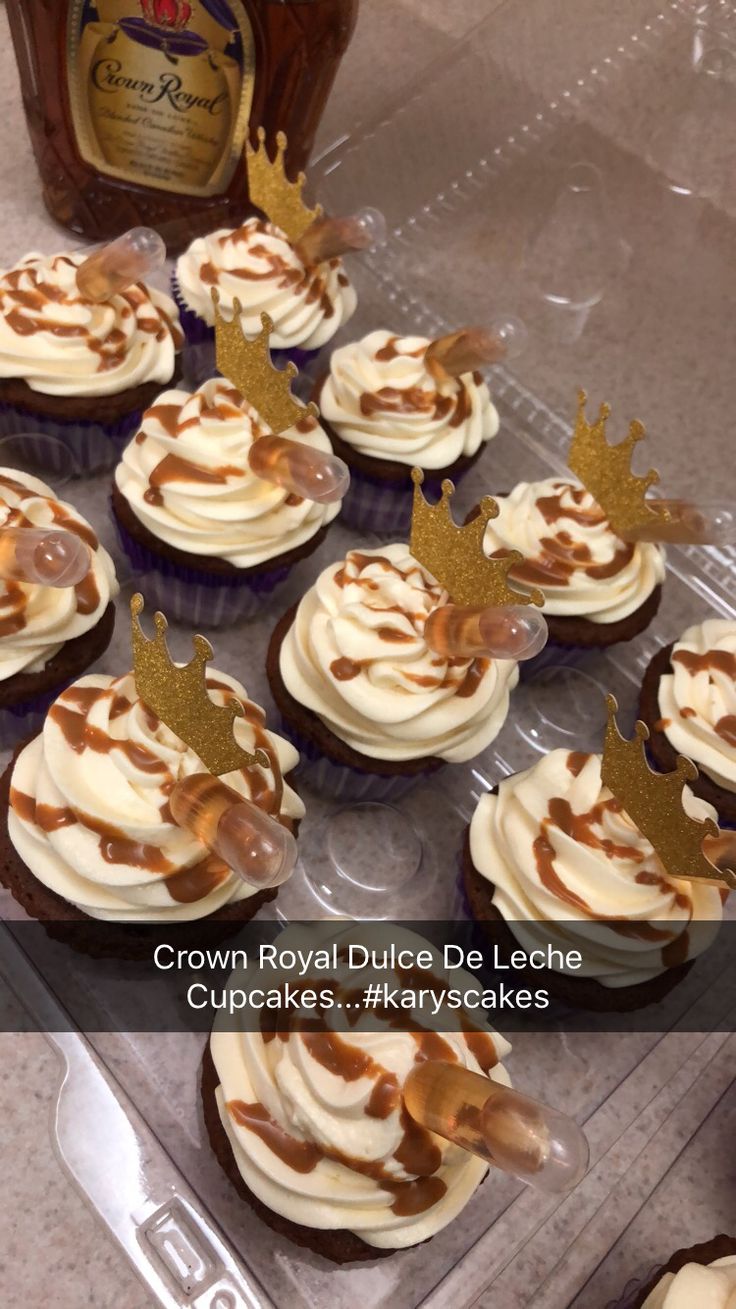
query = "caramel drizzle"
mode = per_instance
[
  {"x": 344, "y": 669},
  {"x": 27, "y": 294},
  {"x": 176, "y": 468},
  {"x": 188, "y": 885},
  {"x": 427, "y": 401},
  {"x": 562, "y": 557},
  {"x": 581, "y": 829},
  {"x": 417, "y": 1151},
  {"x": 720, "y": 662},
  {"x": 311, "y": 283},
  {"x": 13, "y": 596}
]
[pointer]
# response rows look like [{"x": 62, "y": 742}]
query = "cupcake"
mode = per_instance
[
  {"x": 688, "y": 701},
  {"x": 361, "y": 693},
  {"x": 90, "y": 834},
  {"x": 552, "y": 858},
  {"x": 213, "y": 538},
  {"x": 701, "y": 1277},
  {"x": 257, "y": 265},
  {"x": 80, "y": 370},
  {"x": 48, "y": 635},
  {"x": 313, "y": 1131},
  {"x": 598, "y": 589},
  {"x": 387, "y": 410}
]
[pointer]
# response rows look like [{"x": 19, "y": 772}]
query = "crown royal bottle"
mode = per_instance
[{"x": 138, "y": 109}]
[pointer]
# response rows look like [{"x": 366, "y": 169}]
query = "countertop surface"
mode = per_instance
[{"x": 53, "y": 1249}]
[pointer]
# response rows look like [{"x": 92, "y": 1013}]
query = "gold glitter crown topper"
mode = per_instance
[
  {"x": 271, "y": 191},
  {"x": 247, "y": 364},
  {"x": 455, "y": 556},
  {"x": 653, "y": 802},
  {"x": 605, "y": 471},
  {"x": 179, "y": 697}
]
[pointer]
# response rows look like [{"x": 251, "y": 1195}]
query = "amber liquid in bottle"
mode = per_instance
[{"x": 138, "y": 109}]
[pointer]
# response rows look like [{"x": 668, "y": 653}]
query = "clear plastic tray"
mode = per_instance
[{"x": 530, "y": 114}]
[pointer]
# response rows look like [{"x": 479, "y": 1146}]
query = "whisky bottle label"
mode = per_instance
[{"x": 161, "y": 90}]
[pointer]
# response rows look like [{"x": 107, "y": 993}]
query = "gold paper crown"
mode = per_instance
[
  {"x": 247, "y": 364},
  {"x": 455, "y": 556},
  {"x": 271, "y": 191},
  {"x": 605, "y": 471},
  {"x": 653, "y": 802},
  {"x": 179, "y": 697}
]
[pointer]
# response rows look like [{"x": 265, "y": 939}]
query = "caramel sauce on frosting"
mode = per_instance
[
  {"x": 102, "y": 718},
  {"x": 28, "y": 611}
]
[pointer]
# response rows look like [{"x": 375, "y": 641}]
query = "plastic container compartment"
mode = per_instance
[{"x": 642, "y": 1097}]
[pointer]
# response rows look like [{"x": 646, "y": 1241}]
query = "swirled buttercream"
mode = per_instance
[
  {"x": 697, "y": 699},
  {"x": 257, "y": 265},
  {"x": 61, "y": 344},
  {"x": 567, "y": 863},
  {"x": 36, "y": 621},
  {"x": 382, "y": 399},
  {"x": 89, "y": 813},
  {"x": 572, "y": 552},
  {"x": 318, "y": 1128},
  {"x": 356, "y": 656},
  {"x": 187, "y": 478}
]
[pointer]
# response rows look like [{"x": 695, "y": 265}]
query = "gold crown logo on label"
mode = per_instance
[{"x": 178, "y": 695}]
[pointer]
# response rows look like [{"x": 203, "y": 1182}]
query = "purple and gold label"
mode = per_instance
[{"x": 161, "y": 90}]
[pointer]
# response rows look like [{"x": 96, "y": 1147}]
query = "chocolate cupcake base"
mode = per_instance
[
  {"x": 381, "y": 491},
  {"x": 577, "y": 992},
  {"x": 663, "y": 752},
  {"x": 199, "y": 589},
  {"x": 25, "y": 697},
  {"x": 706, "y": 1252},
  {"x": 340, "y": 1245},
  {"x": 93, "y": 429},
  {"x": 65, "y": 922},
  {"x": 352, "y": 775}
]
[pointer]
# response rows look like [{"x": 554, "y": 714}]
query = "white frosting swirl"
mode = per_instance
[
  {"x": 62, "y": 344},
  {"x": 356, "y": 655},
  {"x": 381, "y": 398},
  {"x": 696, "y": 1286},
  {"x": 316, "y": 1123},
  {"x": 697, "y": 700},
  {"x": 89, "y": 804},
  {"x": 187, "y": 478},
  {"x": 564, "y": 858},
  {"x": 257, "y": 265},
  {"x": 36, "y": 621},
  {"x": 571, "y": 551}
]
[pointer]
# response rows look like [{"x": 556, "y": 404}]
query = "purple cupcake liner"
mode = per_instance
[
  {"x": 202, "y": 599},
  {"x": 95, "y": 447},
  {"x": 198, "y": 332},
  {"x": 26, "y": 718},
  {"x": 195, "y": 329},
  {"x": 384, "y": 508},
  {"x": 340, "y": 781}
]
